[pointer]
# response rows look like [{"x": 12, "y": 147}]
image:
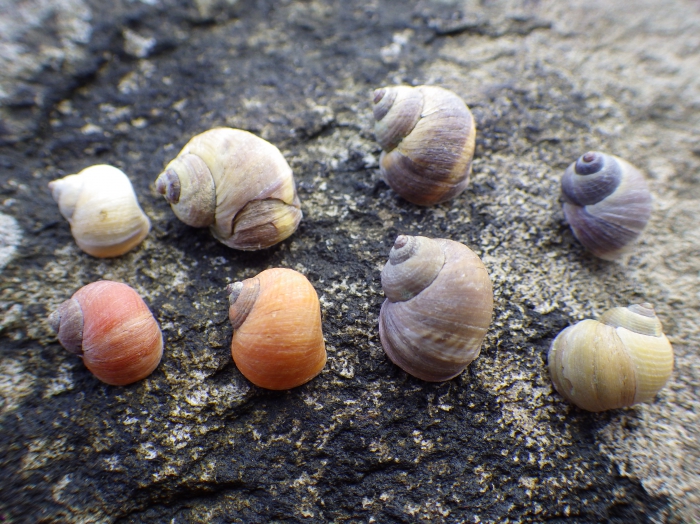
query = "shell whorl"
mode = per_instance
[
  {"x": 638, "y": 318},
  {"x": 396, "y": 111},
  {"x": 188, "y": 186},
  {"x": 438, "y": 330},
  {"x": 67, "y": 322},
  {"x": 414, "y": 263},
  {"x": 606, "y": 202},
  {"x": 242, "y": 297},
  {"x": 591, "y": 178},
  {"x": 590, "y": 367}
]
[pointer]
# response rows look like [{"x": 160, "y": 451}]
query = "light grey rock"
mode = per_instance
[
  {"x": 37, "y": 38},
  {"x": 10, "y": 237}
]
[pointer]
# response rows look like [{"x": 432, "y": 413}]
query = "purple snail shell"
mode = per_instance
[
  {"x": 438, "y": 307},
  {"x": 428, "y": 137},
  {"x": 606, "y": 202}
]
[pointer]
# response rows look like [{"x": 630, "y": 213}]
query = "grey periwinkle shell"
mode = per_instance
[
  {"x": 438, "y": 308},
  {"x": 606, "y": 202}
]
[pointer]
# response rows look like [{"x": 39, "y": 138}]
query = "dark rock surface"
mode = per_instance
[{"x": 128, "y": 83}]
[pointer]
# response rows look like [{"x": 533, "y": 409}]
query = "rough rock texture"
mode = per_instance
[{"x": 129, "y": 82}]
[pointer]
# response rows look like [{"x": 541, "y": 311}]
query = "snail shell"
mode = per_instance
[
  {"x": 111, "y": 328},
  {"x": 606, "y": 202},
  {"x": 277, "y": 340},
  {"x": 237, "y": 184},
  {"x": 102, "y": 209},
  {"x": 438, "y": 308},
  {"x": 620, "y": 360},
  {"x": 428, "y": 137}
]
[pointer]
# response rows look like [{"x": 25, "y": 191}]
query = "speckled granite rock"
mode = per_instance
[{"x": 363, "y": 442}]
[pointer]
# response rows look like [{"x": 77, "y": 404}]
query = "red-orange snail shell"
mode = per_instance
[
  {"x": 277, "y": 340},
  {"x": 111, "y": 328}
]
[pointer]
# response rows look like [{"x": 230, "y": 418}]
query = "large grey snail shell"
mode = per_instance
[
  {"x": 237, "y": 184},
  {"x": 606, "y": 202},
  {"x": 620, "y": 360},
  {"x": 438, "y": 308},
  {"x": 428, "y": 137}
]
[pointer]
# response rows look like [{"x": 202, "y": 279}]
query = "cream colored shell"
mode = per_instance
[
  {"x": 101, "y": 206},
  {"x": 621, "y": 360},
  {"x": 237, "y": 184}
]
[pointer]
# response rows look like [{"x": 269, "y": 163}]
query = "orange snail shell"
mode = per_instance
[
  {"x": 110, "y": 326},
  {"x": 277, "y": 340}
]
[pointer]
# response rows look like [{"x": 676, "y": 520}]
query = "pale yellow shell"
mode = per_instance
[
  {"x": 621, "y": 360},
  {"x": 101, "y": 206}
]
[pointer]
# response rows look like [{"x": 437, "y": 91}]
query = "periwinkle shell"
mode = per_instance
[
  {"x": 428, "y": 137},
  {"x": 620, "y": 360},
  {"x": 606, "y": 202},
  {"x": 237, "y": 184},
  {"x": 111, "y": 328},
  {"x": 278, "y": 339},
  {"x": 438, "y": 308}
]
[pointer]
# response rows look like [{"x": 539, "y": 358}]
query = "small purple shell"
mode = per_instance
[{"x": 606, "y": 202}]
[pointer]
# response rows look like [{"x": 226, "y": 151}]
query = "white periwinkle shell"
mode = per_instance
[{"x": 101, "y": 206}]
